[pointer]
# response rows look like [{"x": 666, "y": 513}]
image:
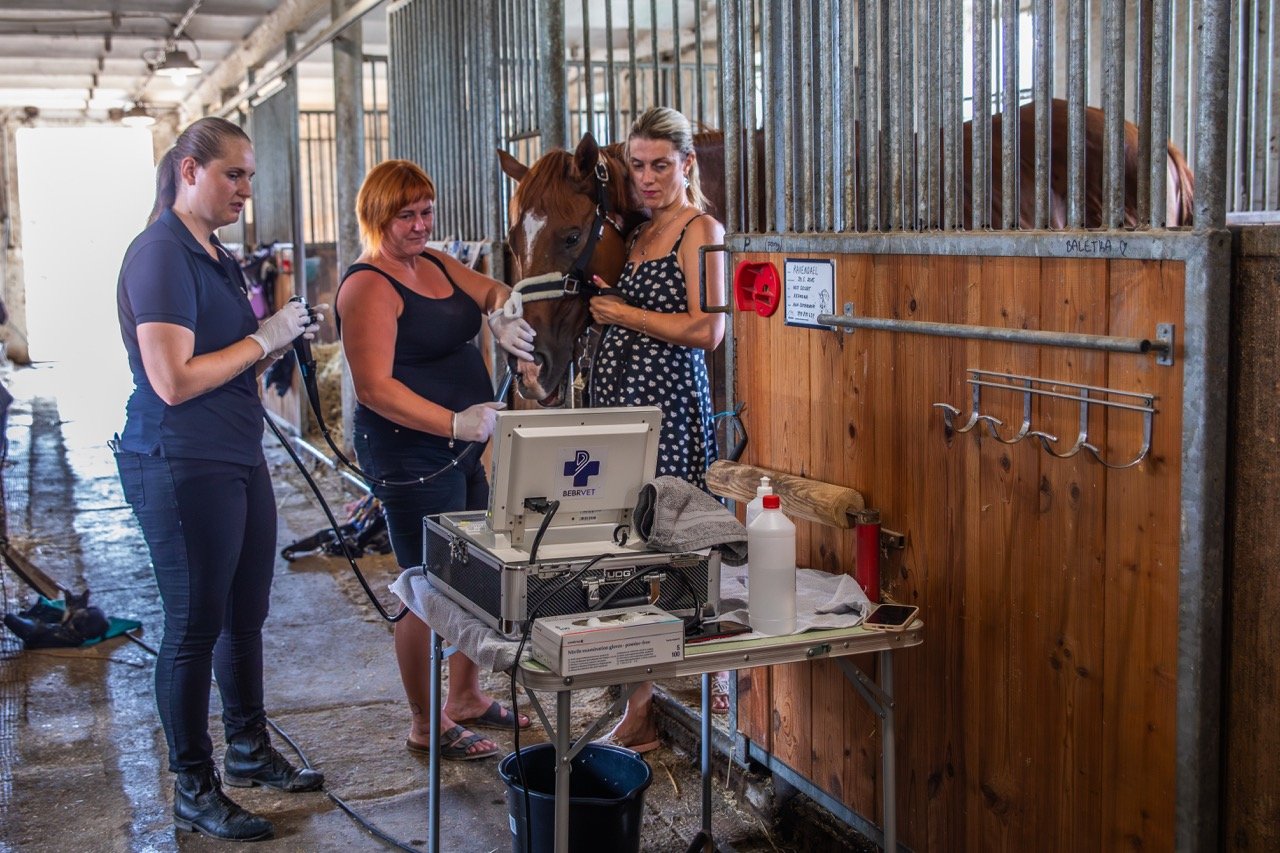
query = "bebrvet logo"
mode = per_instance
[{"x": 581, "y": 468}]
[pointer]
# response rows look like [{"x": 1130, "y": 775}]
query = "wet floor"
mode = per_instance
[{"x": 82, "y": 755}]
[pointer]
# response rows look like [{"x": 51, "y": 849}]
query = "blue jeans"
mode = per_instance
[
  {"x": 461, "y": 488},
  {"x": 211, "y": 530}
]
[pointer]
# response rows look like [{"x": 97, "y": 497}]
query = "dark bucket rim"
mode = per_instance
[{"x": 508, "y": 777}]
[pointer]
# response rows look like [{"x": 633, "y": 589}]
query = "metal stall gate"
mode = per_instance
[
  {"x": 992, "y": 330},
  {"x": 468, "y": 78}
]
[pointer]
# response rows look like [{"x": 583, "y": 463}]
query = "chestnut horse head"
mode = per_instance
[{"x": 569, "y": 215}]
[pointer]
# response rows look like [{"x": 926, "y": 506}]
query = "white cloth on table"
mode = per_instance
[
  {"x": 823, "y": 600},
  {"x": 488, "y": 648}
]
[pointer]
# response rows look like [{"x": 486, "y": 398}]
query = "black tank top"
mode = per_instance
[{"x": 434, "y": 355}]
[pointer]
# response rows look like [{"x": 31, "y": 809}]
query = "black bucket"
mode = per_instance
[{"x": 606, "y": 798}]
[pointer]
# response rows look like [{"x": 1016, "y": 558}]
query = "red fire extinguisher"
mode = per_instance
[{"x": 867, "y": 532}]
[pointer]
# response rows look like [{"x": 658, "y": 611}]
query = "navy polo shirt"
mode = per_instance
[{"x": 168, "y": 277}]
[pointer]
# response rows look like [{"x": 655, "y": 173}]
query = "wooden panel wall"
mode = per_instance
[
  {"x": 1039, "y": 713},
  {"x": 1251, "y": 738}
]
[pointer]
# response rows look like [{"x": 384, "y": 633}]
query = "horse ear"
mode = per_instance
[
  {"x": 512, "y": 167},
  {"x": 587, "y": 155}
]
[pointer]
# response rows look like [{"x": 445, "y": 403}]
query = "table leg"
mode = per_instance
[
  {"x": 709, "y": 844},
  {"x": 433, "y": 760},
  {"x": 563, "y": 768},
  {"x": 888, "y": 765}
]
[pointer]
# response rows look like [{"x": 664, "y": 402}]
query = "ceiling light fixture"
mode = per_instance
[
  {"x": 177, "y": 65},
  {"x": 137, "y": 116}
]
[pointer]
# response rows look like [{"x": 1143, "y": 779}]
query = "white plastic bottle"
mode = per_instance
[
  {"x": 756, "y": 505},
  {"x": 771, "y": 570}
]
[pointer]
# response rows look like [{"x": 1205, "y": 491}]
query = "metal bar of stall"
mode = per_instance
[
  {"x": 631, "y": 60},
  {"x": 1142, "y": 81},
  {"x": 1042, "y": 80},
  {"x": 1077, "y": 41},
  {"x": 872, "y": 125},
  {"x": 931, "y": 215},
  {"x": 551, "y": 74},
  {"x": 730, "y": 63},
  {"x": 451, "y": 153},
  {"x": 1072, "y": 340},
  {"x": 806, "y": 140},
  {"x": 980, "y": 170},
  {"x": 907, "y": 115},
  {"x": 886, "y": 70},
  {"x": 1210, "y": 199},
  {"x": 676, "y": 58},
  {"x": 783, "y": 105},
  {"x": 1204, "y": 435},
  {"x": 826, "y": 126},
  {"x": 588, "y": 83},
  {"x": 865, "y": 130},
  {"x": 610, "y": 72},
  {"x": 1113, "y": 109},
  {"x": 1010, "y": 124},
  {"x": 894, "y": 36},
  {"x": 752, "y": 188},
  {"x": 653, "y": 44},
  {"x": 489, "y": 136},
  {"x": 847, "y": 196},
  {"x": 771, "y": 86},
  {"x": 951, "y": 153},
  {"x": 699, "y": 71}
]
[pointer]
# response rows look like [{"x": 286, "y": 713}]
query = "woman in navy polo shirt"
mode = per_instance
[{"x": 192, "y": 468}]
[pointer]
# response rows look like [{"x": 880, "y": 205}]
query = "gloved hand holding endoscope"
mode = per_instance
[
  {"x": 281, "y": 328},
  {"x": 510, "y": 330},
  {"x": 475, "y": 423}
]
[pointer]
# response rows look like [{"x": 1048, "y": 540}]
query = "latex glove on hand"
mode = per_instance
[
  {"x": 510, "y": 330},
  {"x": 279, "y": 330},
  {"x": 476, "y": 423}
]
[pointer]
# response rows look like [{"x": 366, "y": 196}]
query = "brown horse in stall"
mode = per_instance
[
  {"x": 554, "y": 211},
  {"x": 556, "y": 207}
]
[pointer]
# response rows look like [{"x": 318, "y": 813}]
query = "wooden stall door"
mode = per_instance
[{"x": 1039, "y": 712}]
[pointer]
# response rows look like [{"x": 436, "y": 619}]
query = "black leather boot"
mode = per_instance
[
  {"x": 200, "y": 806},
  {"x": 252, "y": 760}
]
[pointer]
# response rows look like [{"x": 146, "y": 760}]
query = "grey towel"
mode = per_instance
[{"x": 674, "y": 515}]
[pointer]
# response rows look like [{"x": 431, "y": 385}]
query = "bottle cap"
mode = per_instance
[
  {"x": 772, "y": 502},
  {"x": 764, "y": 488}
]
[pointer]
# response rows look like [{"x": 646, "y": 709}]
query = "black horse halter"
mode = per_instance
[{"x": 576, "y": 282}]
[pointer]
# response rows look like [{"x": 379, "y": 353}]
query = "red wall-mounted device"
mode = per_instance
[{"x": 757, "y": 287}]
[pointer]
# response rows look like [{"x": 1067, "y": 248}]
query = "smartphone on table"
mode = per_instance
[
  {"x": 891, "y": 617},
  {"x": 714, "y": 630}
]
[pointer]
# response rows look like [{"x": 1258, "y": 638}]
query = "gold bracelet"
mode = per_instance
[
  {"x": 644, "y": 322},
  {"x": 453, "y": 429}
]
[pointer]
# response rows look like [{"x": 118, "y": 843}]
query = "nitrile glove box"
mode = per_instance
[{"x": 580, "y": 643}]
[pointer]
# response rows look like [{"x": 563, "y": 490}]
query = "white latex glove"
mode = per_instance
[
  {"x": 476, "y": 423},
  {"x": 512, "y": 333},
  {"x": 279, "y": 330}
]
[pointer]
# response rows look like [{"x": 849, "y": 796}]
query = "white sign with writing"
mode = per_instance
[{"x": 809, "y": 291}]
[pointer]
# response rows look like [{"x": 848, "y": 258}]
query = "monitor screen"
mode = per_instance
[{"x": 593, "y": 461}]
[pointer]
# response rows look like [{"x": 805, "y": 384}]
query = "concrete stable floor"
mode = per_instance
[{"x": 82, "y": 755}]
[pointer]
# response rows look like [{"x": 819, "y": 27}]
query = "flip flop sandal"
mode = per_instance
[
  {"x": 454, "y": 744},
  {"x": 638, "y": 748},
  {"x": 494, "y": 717}
]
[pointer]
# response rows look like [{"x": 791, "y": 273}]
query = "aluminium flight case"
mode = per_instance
[{"x": 498, "y": 584}]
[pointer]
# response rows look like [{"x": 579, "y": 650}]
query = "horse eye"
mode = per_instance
[{"x": 572, "y": 239}]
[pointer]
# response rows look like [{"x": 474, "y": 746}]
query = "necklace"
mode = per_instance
[{"x": 652, "y": 239}]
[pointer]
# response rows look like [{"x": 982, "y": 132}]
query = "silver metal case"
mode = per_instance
[{"x": 480, "y": 571}]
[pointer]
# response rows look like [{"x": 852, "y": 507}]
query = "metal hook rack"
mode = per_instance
[{"x": 1031, "y": 386}]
